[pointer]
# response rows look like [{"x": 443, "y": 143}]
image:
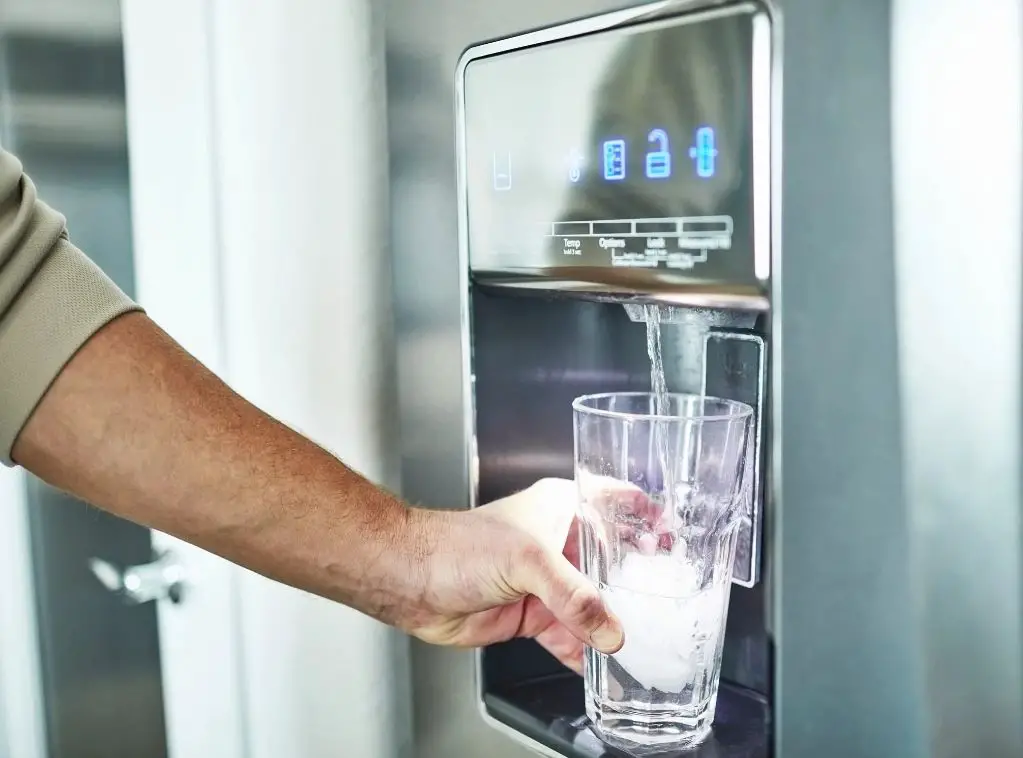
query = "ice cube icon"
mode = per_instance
[{"x": 614, "y": 160}]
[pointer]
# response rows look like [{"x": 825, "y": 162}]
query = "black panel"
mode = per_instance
[{"x": 533, "y": 355}]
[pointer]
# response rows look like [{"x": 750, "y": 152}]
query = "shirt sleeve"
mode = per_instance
[{"x": 52, "y": 300}]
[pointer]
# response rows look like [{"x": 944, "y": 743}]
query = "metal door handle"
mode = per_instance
[{"x": 163, "y": 579}]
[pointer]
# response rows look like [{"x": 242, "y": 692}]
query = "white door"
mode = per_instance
[{"x": 176, "y": 242}]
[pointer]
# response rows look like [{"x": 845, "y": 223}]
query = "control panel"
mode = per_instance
[{"x": 645, "y": 147}]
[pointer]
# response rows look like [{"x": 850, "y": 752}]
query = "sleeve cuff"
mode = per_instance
[{"x": 67, "y": 301}]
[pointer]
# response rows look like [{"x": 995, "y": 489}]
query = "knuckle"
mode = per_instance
[
  {"x": 543, "y": 484},
  {"x": 533, "y": 557},
  {"x": 584, "y": 607}
]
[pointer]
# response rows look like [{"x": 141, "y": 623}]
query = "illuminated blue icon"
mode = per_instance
[
  {"x": 614, "y": 160},
  {"x": 502, "y": 172},
  {"x": 704, "y": 153},
  {"x": 658, "y": 162},
  {"x": 575, "y": 166}
]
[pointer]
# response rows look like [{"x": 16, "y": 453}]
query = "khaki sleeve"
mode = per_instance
[{"x": 52, "y": 300}]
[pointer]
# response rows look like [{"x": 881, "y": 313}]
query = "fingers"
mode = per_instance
[
  {"x": 621, "y": 513},
  {"x": 611, "y": 498},
  {"x": 599, "y": 488},
  {"x": 568, "y": 650},
  {"x": 546, "y": 511},
  {"x": 570, "y": 596},
  {"x": 554, "y": 637}
]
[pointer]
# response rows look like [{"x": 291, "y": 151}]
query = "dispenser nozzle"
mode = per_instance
[
  {"x": 666, "y": 314},
  {"x": 680, "y": 314}
]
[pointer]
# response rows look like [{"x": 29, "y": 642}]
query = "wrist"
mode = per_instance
[
  {"x": 422, "y": 548},
  {"x": 379, "y": 567}
]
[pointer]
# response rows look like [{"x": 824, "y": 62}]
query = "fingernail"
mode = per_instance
[{"x": 608, "y": 637}]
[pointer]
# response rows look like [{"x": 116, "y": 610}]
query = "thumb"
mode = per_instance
[{"x": 569, "y": 596}]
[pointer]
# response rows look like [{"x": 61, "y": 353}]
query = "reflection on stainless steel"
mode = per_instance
[
  {"x": 611, "y": 283},
  {"x": 63, "y": 108}
]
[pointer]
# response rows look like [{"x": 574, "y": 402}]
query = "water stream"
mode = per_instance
[{"x": 661, "y": 428}]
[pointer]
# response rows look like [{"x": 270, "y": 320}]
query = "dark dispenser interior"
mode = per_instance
[{"x": 533, "y": 353}]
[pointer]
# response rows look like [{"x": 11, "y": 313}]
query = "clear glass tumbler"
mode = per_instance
[{"x": 664, "y": 484}]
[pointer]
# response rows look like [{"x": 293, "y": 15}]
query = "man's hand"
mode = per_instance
[
  {"x": 138, "y": 427},
  {"x": 510, "y": 569}
]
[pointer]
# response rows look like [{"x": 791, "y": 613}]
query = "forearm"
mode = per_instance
[{"x": 137, "y": 427}]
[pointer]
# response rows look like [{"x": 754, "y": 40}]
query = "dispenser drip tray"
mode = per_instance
[{"x": 550, "y": 710}]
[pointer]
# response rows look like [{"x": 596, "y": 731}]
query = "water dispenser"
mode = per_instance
[{"x": 610, "y": 173}]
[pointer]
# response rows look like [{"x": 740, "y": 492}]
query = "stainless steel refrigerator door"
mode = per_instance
[{"x": 882, "y": 555}]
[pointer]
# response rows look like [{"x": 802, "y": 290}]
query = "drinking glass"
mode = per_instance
[{"x": 664, "y": 484}]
